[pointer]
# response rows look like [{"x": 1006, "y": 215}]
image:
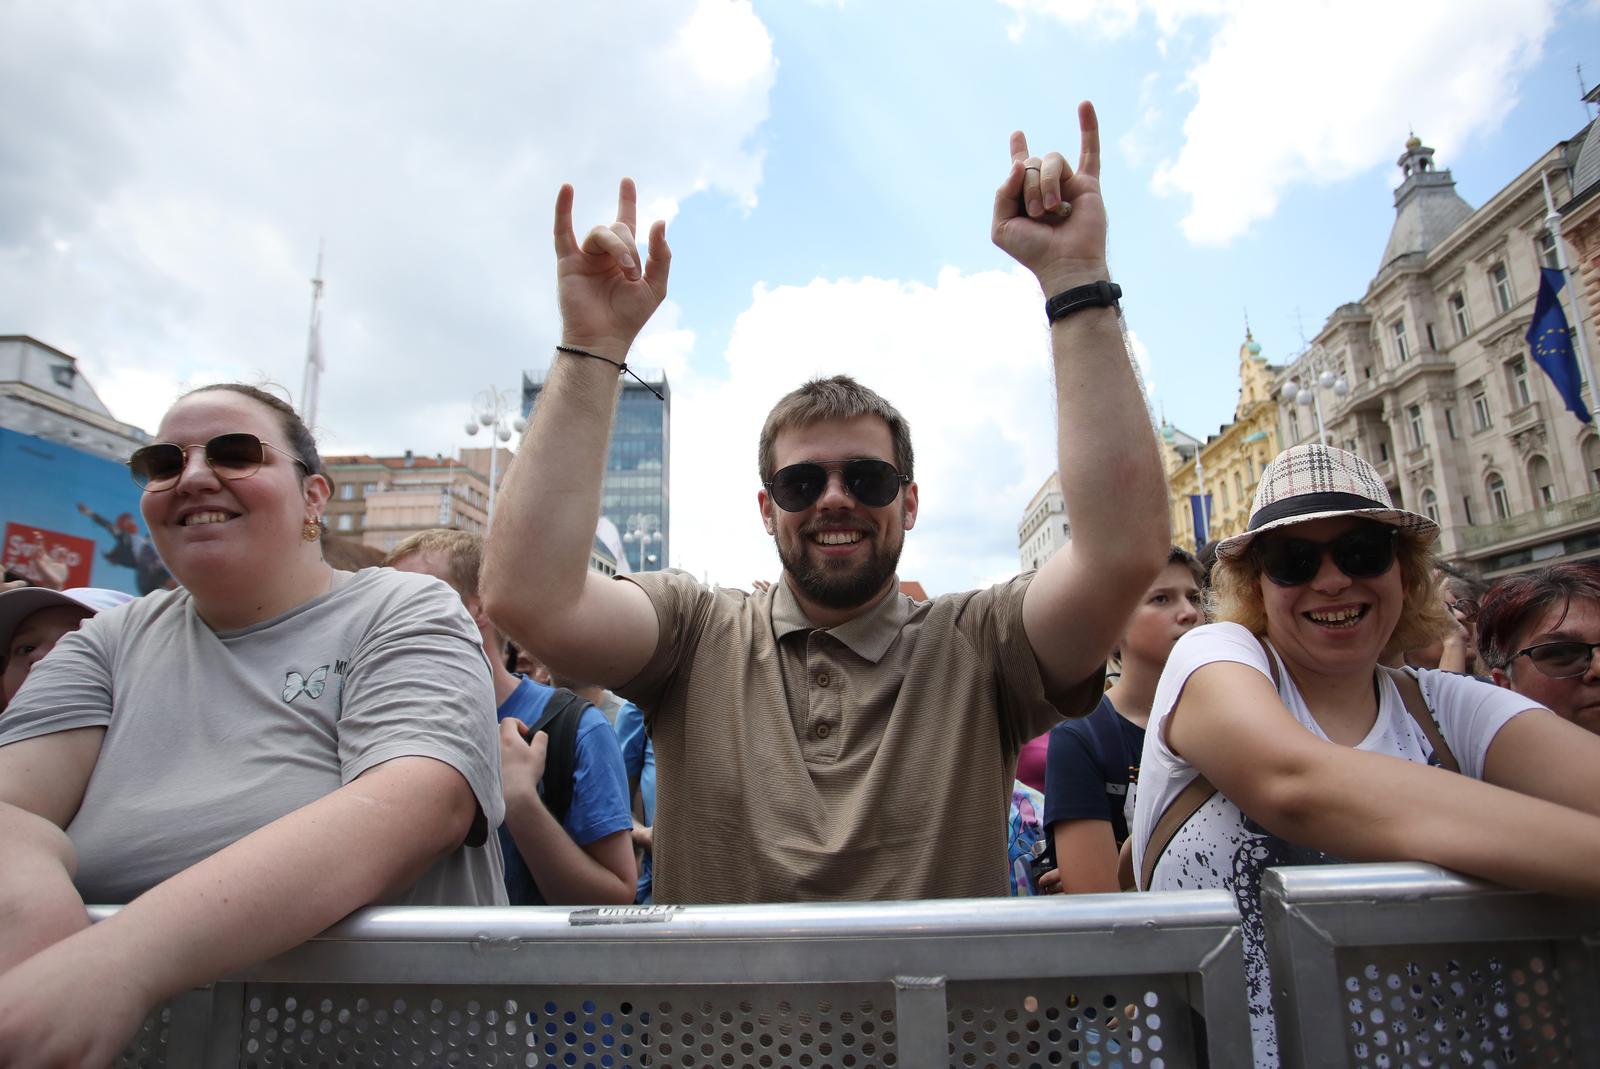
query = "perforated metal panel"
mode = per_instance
[
  {"x": 818, "y": 1027},
  {"x": 1078, "y": 1024},
  {"x": 1493, "y": 1006},
  {"x": 148, "y": 1050}
]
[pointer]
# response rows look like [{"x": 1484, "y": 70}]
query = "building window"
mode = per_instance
[
  {"x": 1547, "y": 250},
  {"x": 345, "y": 521},
  {"x": 1294, "y": 425},
  {"x": 1458, "y": 314},
  {"x": 1480, "y": 412},
  {"x": 1591, "y": 463},
  {"x": 1383, "y": 452},
  {"x": 1542, "y": 482},
  {"x": 1402, "y": 348},
  {"x": 1414, "y": 418},
  {"x": 369, "y": 488},
  {"x": 1430, "y": 505},
  {"x": 1466, "y": 509},
  {"x": 1433, "y": 339},
  {"x": 1450, "y": 424},
  {"x": 1238, "y": 486},
  {"x": 1519, "y": 383},
  {"x": 1500, "y": 283},
  {"x": 1499, "y": 500},
  {"x": 1350, "y": 445}
]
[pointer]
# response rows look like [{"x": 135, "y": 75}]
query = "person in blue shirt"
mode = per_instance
[
  {"x": 1092, "y": 767},
  {"x": 586, "y": 858},
  {"x": 639, "y": 758}
]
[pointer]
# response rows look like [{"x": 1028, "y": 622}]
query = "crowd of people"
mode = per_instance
[{"x": 249, "y": 757}]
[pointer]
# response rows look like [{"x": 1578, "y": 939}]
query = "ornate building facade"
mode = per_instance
[
  {"x": 1440, "y": 390},
  {"x": 1223, "y": 469}
]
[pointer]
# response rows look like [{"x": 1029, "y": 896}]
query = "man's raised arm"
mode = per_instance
[
  {"x": 1111, "y": 477},
  {"x": 537, "y": 585}
]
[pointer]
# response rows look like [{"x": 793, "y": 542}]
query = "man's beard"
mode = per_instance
[{"x": 839, "y": 585}]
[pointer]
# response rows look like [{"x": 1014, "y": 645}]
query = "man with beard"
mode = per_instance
[{"x": 830, "y": 738}]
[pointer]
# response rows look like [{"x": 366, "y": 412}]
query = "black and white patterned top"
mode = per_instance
[{"x": 1221, "y": 847}]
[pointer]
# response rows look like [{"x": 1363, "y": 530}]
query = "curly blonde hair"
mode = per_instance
[{"x": 1236, "y": 596}]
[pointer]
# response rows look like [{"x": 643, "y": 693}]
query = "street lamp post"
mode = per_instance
[
  {"x": 1320, "y": 370},
  {"x": 495, "y": 408},
  {"x": 643, "y": 528}
]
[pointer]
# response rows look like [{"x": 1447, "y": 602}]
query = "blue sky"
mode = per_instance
[{"x": 827, "y": 169}]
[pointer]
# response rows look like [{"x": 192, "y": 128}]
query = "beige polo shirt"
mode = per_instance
[{"x": 873, "y": 760}]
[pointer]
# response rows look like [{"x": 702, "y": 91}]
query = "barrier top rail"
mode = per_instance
[{"x": 979, "y": 916}]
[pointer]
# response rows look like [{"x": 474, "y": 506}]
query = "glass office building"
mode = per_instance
[{"x": 636, "y": 493}]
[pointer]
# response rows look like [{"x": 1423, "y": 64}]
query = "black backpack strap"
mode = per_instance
[{"x": 560, "y": 721}]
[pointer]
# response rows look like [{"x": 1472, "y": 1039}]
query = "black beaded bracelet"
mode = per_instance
[
  {"x": 621, "y": 367},
  {"x": 1100, "y": 294}
]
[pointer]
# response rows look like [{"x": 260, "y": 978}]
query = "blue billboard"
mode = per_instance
[{"x": 76, "y": 511}]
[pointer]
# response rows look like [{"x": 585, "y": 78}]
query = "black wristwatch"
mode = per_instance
[{"x": 1100, "y": 294}]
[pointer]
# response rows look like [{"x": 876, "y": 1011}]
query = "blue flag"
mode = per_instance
[
  {"x": 1202, "y": 530},
  {"x": 1552, "y": 342}
]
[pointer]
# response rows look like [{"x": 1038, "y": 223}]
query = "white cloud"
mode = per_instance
[
  {"x": 725, "y": 44},
  {"x": 966, "y": 360},
  {"x": 170, "y": 169},
  {"x": 1309, "y": 93},
  {"x": 1110, "y": 18}
]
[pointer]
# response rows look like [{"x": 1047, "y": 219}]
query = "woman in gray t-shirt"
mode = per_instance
[{"x": 244, "y": 760}]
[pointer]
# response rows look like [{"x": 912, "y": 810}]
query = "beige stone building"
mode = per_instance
[
  {"x": 381, "y": 500},
  {"x": 1044, "y": 528},
  {"x": 1227, "y": 465},
  {"x": 1443, "y": 395}
]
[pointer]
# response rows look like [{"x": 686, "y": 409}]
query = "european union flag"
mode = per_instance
[{"x": 1552, "y": 342}]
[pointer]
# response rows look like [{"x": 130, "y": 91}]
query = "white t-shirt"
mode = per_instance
[
  {"x": 211, "y": 735},
  {"x": 1221, "y": 847}
]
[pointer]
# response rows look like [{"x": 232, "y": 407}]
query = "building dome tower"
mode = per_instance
[{"x": 1426, "y": 205}]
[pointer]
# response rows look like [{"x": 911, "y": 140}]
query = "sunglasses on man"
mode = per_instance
[
  {"x": 1364, "y": 552},
  {"x": 873, "y": 483},
  {"x": 231, "y": 456},
  {"x": 1560, "y": 660}
]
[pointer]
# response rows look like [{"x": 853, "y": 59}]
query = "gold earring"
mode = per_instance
[{"x": 310, "y": 531}]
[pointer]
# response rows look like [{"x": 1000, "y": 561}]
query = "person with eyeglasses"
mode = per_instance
[
  {"x": 1277, "y": 737},
  {"x": 1537, "y": 632},
  {"x": 240, "y": 762},
  {"x": 831, "y": 738}
]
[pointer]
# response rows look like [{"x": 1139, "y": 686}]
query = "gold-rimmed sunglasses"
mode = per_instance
[{"x": 238, "y": 455}]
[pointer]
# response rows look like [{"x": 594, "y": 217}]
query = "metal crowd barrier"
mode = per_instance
[
  {"x": 1386, "y": 966},
  {"x": 1108, "y": 980}
]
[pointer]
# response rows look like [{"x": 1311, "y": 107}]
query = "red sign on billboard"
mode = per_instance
[{"x": 24, "y": 545}]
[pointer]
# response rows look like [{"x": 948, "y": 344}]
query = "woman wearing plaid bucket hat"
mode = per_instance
[{"x": 1274, "y": 731}]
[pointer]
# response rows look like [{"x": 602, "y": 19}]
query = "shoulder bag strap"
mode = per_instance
[
  {"x": 1189, "y": 800},
  {"x": 1411, "y": 694}
]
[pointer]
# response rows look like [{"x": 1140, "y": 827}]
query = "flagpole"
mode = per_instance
[
  {"x": 1552, "y": 222},
  {"x": 308, "y": 392}
]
